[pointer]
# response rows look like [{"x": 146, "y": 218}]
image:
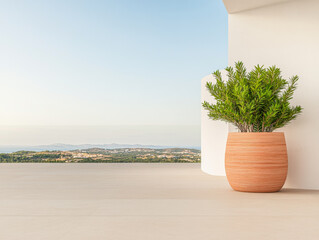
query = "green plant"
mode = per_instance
[{"x": 257, "y": 101}]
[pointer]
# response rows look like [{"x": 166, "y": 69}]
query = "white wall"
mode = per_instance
[
  {"x": 286, "y": 35},
  {"x": 213, "y": 137}
]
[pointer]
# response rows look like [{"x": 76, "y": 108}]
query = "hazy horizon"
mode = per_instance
[{"x": 171, "y": 135}]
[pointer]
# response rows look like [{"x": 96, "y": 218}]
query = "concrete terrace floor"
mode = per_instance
[{"x": 144, "y": 201}]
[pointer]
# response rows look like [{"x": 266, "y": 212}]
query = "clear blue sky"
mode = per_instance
[{"x": 111, "y": 62}]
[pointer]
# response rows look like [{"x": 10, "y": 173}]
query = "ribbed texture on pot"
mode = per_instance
[{"x": 256, "y": 162}]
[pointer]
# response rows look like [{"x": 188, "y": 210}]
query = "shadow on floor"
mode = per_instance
[{"x": 299, "y": 191}]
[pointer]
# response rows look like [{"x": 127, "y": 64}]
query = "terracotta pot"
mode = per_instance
[{"x": 256, "y": 162}]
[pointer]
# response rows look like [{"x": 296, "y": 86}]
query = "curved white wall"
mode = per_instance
[{"x": 213, "y": 137}]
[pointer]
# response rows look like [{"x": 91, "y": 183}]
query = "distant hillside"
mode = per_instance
[
  {"x": 145, "y": 150},
  {"x": 70, "y": 147},
  {"x": 101, "y": 155}
]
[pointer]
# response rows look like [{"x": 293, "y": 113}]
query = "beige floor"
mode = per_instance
[{"x": 144, "y": 201}]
